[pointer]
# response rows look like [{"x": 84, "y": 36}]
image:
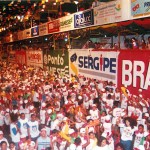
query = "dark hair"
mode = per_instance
[
  {"x": 119, "y": 145},
  {"x": 132, "y": 121},
  {"x": 100, "y": 139},
  {"x": 33, "y": 115},
  {"x": 77, "y": 141},
  {"x": 3, "y": 142},
  {"x": 14, "y": 117},
  {"x": 141, "y": 125},
  {"x": 12, "y": 143}
]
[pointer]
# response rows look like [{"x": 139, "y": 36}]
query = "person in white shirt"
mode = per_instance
[
  {"x": 139, "y": 137},
  {"x": 22, "y": 125},
  {"x": 36, "y": 100},
  {"x": 127, "y": 133},
  {"x": 102, "y": 144},
  {"x": 93, "y": 141},
  {"x": 2, "y": 138},
  {"x": 94, "y": 112},
  {"x": 4, "y": 146},
  {"x": 76, "y": 145},
  {"x": 33, "y": 128},
  {"x": 14, "y": 132}
]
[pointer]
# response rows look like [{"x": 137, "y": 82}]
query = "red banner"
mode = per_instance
[
  {"x": 134, "y": 70},
  {"x": 53, "y": 26},
  {"x": 21, "y": 57}
]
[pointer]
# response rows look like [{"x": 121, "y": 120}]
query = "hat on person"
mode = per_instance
[
  {"x": 43, "y": 129},
  {"x": 103, "y": 90},
  {"x": 31, "y": 107},
  {"x": 88, "y": 117},
  {"x": 146, "y": 115},
  {"x": 15, "y": 111},
  {"x": 107, "y": 118},
  {"x": 7, "y": 110},
  {"x": 71, "y": 131},
  {"x": 26, "y": 101},
  {"x": 94, "y": 105},
  {"x": 82, "y": 130},
  {"x": 65, "y": 118},
  {"x": 1, "y": 132},
  {"x": 21, "y": 102},
  {"x": 79, "y": 97},
  {"x": 49, "y": 111},
  {"x": 43, "y": 104}
]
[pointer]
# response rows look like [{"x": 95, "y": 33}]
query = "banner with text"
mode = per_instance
[
  {"x": 43, "y": 29},
  {"x": 34, "y": 58},
  {"x": 53, "y": 26},
  {"x": 35, "y": 31},
  {"x": 100, "y": 65},
  {"x": 83, "y": 19},
  {"x": 67, "y": 23},
  {"x": 140, "y": 8},
  {"x": 21, "y": 57},
  {"x": 27, "y": 34},
  {"x": 108, "y": 13},
  {"x": 134, "y": 71},
  {"x": 57, "y": 61}
]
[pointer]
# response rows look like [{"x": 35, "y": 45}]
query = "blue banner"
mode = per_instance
[
  {"x": 83, "y": 19},
  {"x": 35, "y": 31},
  {"x": 140, "y": 7}
]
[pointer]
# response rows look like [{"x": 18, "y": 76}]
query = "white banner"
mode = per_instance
[
  {"x": 67, "y": 23},
  {"x": 43, "y": 29},
  {"x": 27, "y": 33},
  {"x": 100, "y": 65},
  {"x": 34, "y": 58},
  {"x": 108, "y": 13}
]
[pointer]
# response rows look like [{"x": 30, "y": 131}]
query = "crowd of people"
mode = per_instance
[
  {"x": 40, "y": 111},
  {"x": 128, "y": 43}
]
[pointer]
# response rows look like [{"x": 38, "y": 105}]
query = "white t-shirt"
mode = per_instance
[
  {"x": 74, "y": 147},
  {"x": 34, "y": 128},
  {"x": 106, "y": 147},
  {"x": 94, "y": 114},
  {"x": 42, "y": 116},
  {"x": 36, "y": 97},
  {"x": 15, "y": 136},
  {"x": 127, "y": 133},
  {"x": 107, "y": 128},
  {"x": 131, "y": 110},
  {"x": 46, "y": 88},
  {"x": 2, "y": 117},
  {"x": 23, "y": 126},
  {"x": 91, "y": 145},
  {"x": 7, "y": 119},
  {"x": 117, "y": 96},
  {"x": 138, "y": 138}
]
